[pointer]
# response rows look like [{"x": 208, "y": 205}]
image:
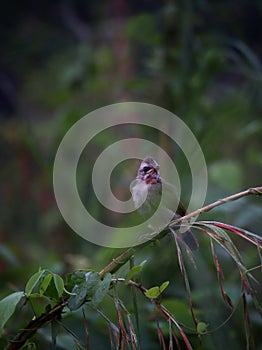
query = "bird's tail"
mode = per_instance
[
  {"x": 187, "y": 235},
  {"x": 190, "y": 240}
]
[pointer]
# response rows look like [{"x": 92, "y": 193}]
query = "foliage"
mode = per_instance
[
  {"x": 91, "y": 288},
  {"x": 201, "y": 60}
]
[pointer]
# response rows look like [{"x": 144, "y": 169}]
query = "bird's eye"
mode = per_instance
[{"x": 146, "y": 169}]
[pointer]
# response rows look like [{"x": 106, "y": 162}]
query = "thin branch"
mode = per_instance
[
  {"x": 34, "y": 325},
  {"x": 124, "y": 257},
  {"x": 119, "y": 261},
  {"x": 233, "y": 197},
  {"x": 20, "y": 339}
]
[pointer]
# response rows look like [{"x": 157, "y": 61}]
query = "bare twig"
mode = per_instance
[{"x": 233, "y": 197}]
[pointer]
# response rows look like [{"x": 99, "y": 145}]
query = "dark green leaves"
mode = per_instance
[
  {"x": 92, "y": 288},
  {"x": 34, "y": 282},
  {"x": 45, "y": 284},
  {"x": 7, "y": 307},
  {"x": 102, "y": 290},
  {"x": 82, "y": 286},
  {"x": 59, "y": 284}
]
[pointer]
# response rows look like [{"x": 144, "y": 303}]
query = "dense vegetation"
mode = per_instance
[{"x": 61, "y": 60}]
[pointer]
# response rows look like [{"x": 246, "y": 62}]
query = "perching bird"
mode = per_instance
[{"x": 147, "y": 192}]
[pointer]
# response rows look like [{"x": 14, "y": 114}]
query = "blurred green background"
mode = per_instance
[{"x": 62, "y": 59}]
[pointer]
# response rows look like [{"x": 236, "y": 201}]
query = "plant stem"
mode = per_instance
[
  {"x": 20, "y": 339},
  {"x": 233, "y": 197}
]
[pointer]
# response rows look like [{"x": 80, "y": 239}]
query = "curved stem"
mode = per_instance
[
  {"x": 20, "y": 339},
  {"x": 233, "y": 197}
]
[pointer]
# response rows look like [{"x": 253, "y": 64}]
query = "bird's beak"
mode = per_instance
[{"x": 151, "y": 171}]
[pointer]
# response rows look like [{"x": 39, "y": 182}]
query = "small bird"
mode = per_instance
[{"x": 147, "y": 191}]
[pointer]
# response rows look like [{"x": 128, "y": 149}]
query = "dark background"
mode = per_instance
[{"x": 62, "y": 59}]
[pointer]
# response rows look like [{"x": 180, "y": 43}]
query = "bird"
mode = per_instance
[{"x": 147, "y": 191}]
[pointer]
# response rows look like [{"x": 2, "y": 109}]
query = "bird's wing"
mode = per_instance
[{"x": 171, "y": 200}]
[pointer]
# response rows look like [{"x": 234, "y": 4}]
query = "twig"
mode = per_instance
[
  {"x": 20, "y": 339},
  {"x": 122, "y": 259},
  {"x": 233, "y": 197}
]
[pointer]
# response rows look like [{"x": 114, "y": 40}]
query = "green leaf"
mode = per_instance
[
  {"x": 45, "y": 283},
  {"x": 202, "y": 327},
  {"x": 51, "y": 292},
  {"x": 83, "y": 290},
  {"x": 92, "y": 282},
  {"x": 163, "y": 286},
  {"x": 153, "y": 292},
  {"x": 59, "y": 284},
  {"x": 132, "y": 272},
  {"x": 39, "y": 304},
  {"x": 35, "y": 295},
  {"x": 102, "y": 290},
  {"x": 7, "y": 307},
  {"x": 77, "y": 300},
  {"x": 86, "y": 290},
  {"x": 33, "y": 281},
  {"x": 75, "y": 278},
  {"x": 78, "y": 277}
]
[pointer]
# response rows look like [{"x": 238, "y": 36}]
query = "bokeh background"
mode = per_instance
[{"x": 62, "y": 59}]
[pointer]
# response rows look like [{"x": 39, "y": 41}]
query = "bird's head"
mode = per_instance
[{"x": 149, "y": 171}]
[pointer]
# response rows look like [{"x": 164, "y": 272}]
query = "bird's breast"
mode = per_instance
[{"x": 145, "y": 196}]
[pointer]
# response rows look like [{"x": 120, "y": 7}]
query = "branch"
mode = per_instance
[
  {"x": 120, "y": 260},
  {"x": 233, "y": 197},
  {"x": 21, "y": 338},
  {"x": 27, "y": 333}
]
